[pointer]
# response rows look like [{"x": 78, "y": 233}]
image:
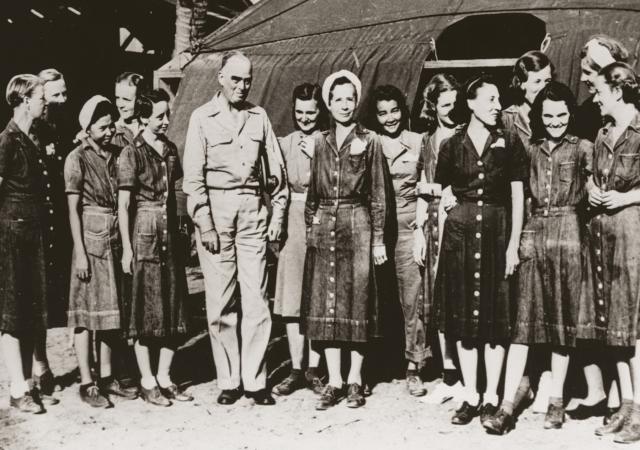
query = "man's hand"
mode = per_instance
[
  {"x": 419, "y": 247},
  {"x": 210, "y": 241},
  {"x": 274, "y": 231}
]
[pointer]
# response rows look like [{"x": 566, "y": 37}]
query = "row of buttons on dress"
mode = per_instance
[{"x": 478, "y": 242}]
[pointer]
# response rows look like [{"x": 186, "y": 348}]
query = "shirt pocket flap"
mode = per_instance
[{"x": 216, "y": 138}]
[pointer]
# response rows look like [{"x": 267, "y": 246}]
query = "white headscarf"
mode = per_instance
[
  {"x": 86, "y": 113},
  {"x": 598, "y": 53},
  {"x": 326, "y": 86}
]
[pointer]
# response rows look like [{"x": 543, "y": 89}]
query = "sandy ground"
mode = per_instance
[{"x": 390, "y": 419}]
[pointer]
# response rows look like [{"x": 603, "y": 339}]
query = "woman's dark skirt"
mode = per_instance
[
  {"x": 339, "y": 296},
  {"x": 471, "y": 290},
  {"x": 159, "y": 281},
  {"x": 552, "y": 278},
  {"x": 22, "y": 267},
  {"x": 613, "y": 317}
]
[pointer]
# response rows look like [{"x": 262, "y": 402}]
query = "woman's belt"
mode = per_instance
[
  {"x": 555, "y": 211},
  {"x": 299, "y": 196},
  {"x": 342, "y": 201}
]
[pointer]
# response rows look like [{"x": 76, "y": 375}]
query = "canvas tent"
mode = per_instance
[{"x": 396, "y": 42}]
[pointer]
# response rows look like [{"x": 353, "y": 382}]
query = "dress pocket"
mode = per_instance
[
  {"x": 147, "y": 248},
  {"x": 628, "y": 167},
  {"x": 527, "y": 249},
  {"x": 358, "y": 162},
  {"x": 567, "y": 171},
  {"x": 96, "y": 235}
]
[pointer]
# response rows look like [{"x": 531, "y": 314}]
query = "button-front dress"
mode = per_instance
[
  {"x": 23, "y": 281},
  {"x": 554, "y": 252},
  {"x": 96, "y": 304},
  {"x": 615, "y": 242},
  {"x": 159, "y": 279},
  {"x": 402, "y": 155},
  {"x": 345, "y": 215},
  {"x": 470, "y": 280},
  {"x": 291, "y": 258}
]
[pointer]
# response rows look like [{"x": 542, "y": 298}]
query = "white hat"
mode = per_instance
[
  {"x": 326, "y": 86},
  {"x": 598, "y": 53},
  {"x": 86, "y": 113}
]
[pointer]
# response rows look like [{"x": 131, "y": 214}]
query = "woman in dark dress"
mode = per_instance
[
  {"x": 23, "y": 281},
  {"x": 344, "y": 215},
  {"x": 147, "y": 172},
  {"x": 615, "y": 210},
  {"x": 553, "y": 275},
  {"x": 439, "y": 97},
  {"x": 484, "y": 168}
]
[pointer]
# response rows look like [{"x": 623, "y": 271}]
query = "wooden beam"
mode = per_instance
[
  {"x": 218, "y": 16},
  {"x": 470, "y": 63}
]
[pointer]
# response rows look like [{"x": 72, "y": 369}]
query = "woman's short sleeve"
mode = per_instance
[
  {"x": 127, "y": 168},
  {"x": 73, "y": 174}
]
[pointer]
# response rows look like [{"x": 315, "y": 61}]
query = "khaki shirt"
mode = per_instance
[{"x": 219, "y": 154}]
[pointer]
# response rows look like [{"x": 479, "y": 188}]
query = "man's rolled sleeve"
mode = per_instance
[
  {"x": 193, "y": 182},
  {"x": 280, "y": 197}
]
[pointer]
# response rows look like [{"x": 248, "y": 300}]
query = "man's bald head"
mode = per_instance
[{"x": 235, "y": 76}]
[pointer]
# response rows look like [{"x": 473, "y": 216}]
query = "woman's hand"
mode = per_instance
[
  {"x": 614, "y": 199},
  {"x": 379, "y": 254},
  {"x": 419, "y": 246},
  {"x": 82, "y": 266},
  {"x": 596, "y": 196},
  {"x": 127, "y": 260},
  {"x": 448, "y": 201},
  {"x": 512, "y": 261}
]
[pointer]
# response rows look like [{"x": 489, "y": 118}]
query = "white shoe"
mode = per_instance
[
  {"x": 541, "y": 402},
  {"x": 444, "y": 393}
]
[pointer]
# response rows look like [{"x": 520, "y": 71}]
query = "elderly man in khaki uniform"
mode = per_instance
[{"x": 226, "y": 141}]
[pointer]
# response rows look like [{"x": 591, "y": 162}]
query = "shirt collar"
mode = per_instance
[{"x": 214, "y": 106}]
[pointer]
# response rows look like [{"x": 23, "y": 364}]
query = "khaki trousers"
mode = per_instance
[{"x": 241, "y": 222}]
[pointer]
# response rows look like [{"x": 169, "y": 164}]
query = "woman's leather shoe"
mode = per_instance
[
  {"x": 229, "y": 396},
  {"x": 464, "y": 414}
]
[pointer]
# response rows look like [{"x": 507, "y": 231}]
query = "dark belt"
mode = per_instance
[
  {"x": 341, "y": 201},
  {"x": 555, "y": 211}
]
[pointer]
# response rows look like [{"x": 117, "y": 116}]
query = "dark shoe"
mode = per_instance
[
  {"x": 27, "y": 404},
  {"x": 154, "y": 396},
  {"x": 262, "y": 397},
  {"x": 45, "y": 384},
  {"x": 487, "y": 411},
  {"x": 501, "y": 423},
  {"x": 554, "y": 417},
  {"x": 314, "y": 382},
  {"x": 414, "y": 386},
  {"x": 464, "y": 414},
  {"x": 90, "y": 394},
  {"x": 289, "y": 385},
  {"x": 330, "y": 396},
  {"x": 629, "y": 434},
  {"x": 583, "y": 412},
  {"x": 113, "y": 387},
  {"x": 355, "y": 397},
  {"x": 229, "y": 396},
  {"x": 173, "y": 393},
  {"x": 616, "y": 423}
]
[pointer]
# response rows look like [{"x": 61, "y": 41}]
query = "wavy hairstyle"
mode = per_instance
[
  {"x": 532, "y": 61},
  {"x": 20, "y": 87},
  {"x": 308, "y": 91},
  {"x": 438, "y": 84},
  {"x": 381, "y": 93},
  {"x": 557, "y": 92},
  {"x": 622, "y": 76}
]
